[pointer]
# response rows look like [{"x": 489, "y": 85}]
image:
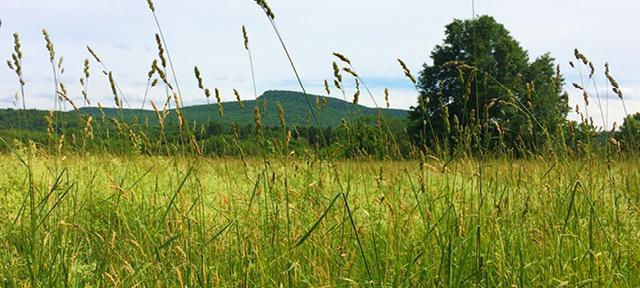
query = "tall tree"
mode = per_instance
[
  {"x": 482, "y": 87},
  {"x": 630, "y": 131}
]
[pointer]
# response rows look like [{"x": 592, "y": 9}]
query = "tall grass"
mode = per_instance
[{"x": 171, "y": 221}]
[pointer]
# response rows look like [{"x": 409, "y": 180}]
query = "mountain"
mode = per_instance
[{"x": 295, "y": 106}]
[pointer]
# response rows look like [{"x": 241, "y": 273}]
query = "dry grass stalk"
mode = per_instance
[
  {"x": 263, "y": 4},
  {"x": 612, "y": 81},
  {"x": 281, "y": 115},
  {"x": 237, "y": 94},
  {"x": 63, "y": 94},
  {"x": 94, "y": 55},
  {"x": 336, "y": 72},
  {"x": 158, "y": 115},
  {"x": 386, "y": 97},
  {"x": 114, "y": 90},
  {"x": 60, "y": 144},
  {"x": 176, "y": 100},
  {"x": 195, "y": 145},
  {"x": 407, "y": 72},
  {"x": 356, "y": 95},
  {"x": 161, "y": 74},
  {"x": 50, "y": 124},
  {"x": 342, "y": 58},
  {"x": 88, "y": 128},
  {"x": 258, "y": 122},
  {"x": 245, "y": 36},
  {"x": 350, "y": 71},
  {"x": 85, "y": 81},
  {"x": 198, "y": 77},
  {"x": 326, "y": 87},
  {"x": 49, "y": 45},
  {"x": 151, "y": 6},
  {"x": 163, "y": 60},
  {"x": 16, "y": 56},
  {"x": 219, "y": 102},
  {"x": 580, "y": 57}
]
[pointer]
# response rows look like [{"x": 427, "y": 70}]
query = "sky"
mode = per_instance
[{"x": 372, "y": 33}]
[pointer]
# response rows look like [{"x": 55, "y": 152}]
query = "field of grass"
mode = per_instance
[
  {"x": 96, "y": 221},
  {"x": 271, "y": 196}
]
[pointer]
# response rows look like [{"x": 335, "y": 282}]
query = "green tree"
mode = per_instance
[
  {"x": 482, "y": 91},
  {"x": 630, "y": 131}
]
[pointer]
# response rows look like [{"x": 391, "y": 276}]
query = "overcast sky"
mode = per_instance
[{"x": 373, "y": 33}]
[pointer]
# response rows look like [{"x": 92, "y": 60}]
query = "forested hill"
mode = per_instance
[{"x": 329, "y": 112}]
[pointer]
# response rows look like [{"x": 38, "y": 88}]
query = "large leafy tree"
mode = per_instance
[
  {"x": 481, "y": 89},
  {"x": 630, "y": 131}
]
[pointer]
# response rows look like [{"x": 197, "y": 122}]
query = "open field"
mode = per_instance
[
  {"x": 503, "y": 169},
  {"x": 152, "y": 221}
]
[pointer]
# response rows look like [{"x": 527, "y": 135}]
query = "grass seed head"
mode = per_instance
[
  {"x": 281, "y": 114},
  {"x": 326, "y": 87},
  {"x": 585, "y": 97},
  {"x": 86, "y": 70},
  {"x": 258, "y": 121},
  {"x": 350, "y": 71},
  {"x": 217, "y": 93},
  {"x": 17, "y": 46},
  {"x": 93, "y": 54},
  {"x": 237, "y": 94},
  {"x": 151, "y": 6},
  {"x": 112, "y": 82},
  {"x": 581, "y": 57},
  {"x": 198, "y": 77},
  {"x": 245, "y": 36},
  {"x": 163, "y": 60},
  {"x": 336, "y": 72},
  {"x": 386, "y": 97},
  {"x": 337, "y": 84},
  {"x": 356, "y": 97},
  {"x": 267, "y": 10},
  {"x": 616, "y": 87},
  {"x": 49, "y": 45},
  {"x": 592, "y": 70},
  {"x": 577, "y": 86},
  {"x": 152, "y": 69},
  {"x": 342, "y": 58},
  {"x": 407, "y": 72}
]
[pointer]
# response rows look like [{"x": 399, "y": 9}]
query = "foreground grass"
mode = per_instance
[{"x": 116, "y": 221}]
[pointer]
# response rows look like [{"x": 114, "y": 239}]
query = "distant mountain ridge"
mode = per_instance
[{"x": 295, "y": 106}]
